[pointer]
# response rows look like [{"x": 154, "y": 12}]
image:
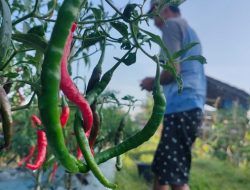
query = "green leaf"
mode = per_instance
[
  {"x": 172, "y": 70},
  {"x": 157, "y": 39},
  {"x": 199, "y": 58},
  {"x": 129, "y": 60},
  {"x": 92, "y": 38},
  {"x": 126, "y": 44},
  {"x": 127, "y": 13},
  {"x": 38, "y": 30},
  {"x": 31, "y": 40},
  {"x": 11, "y": 75},
  {"x": 184, "y": 50},
  {"x": 97, "y": 13},
  {"x": 112, "y": 96},
  {"x": 128, "y": 97},
  {"x": 5, "y": 29},
  {"x": 121, "y": 27},
  {"x": 135, "y": 28}
]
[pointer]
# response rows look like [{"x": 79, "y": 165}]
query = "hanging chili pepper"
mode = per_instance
[
  {"x": 41, "y": 151},
  {"x": 97, "y": 71},
  {"x": 82, "y": 140},
  {"x": 5, "y": 110},
  {"x": 28, "y": 157},
  {"x": 69, "y": 88},
  {"x": 93, "y": 94},
  {"x": 50, "y": 83},
  {"x": 41, "y": 146},
  {"x": 148, "y": 130},
  {"x": 35, "y": 121},
  {"x": 118, "y": 139},
  {"x": 65, "y": 112}
]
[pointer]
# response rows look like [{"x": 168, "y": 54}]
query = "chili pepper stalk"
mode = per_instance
[{"x": 84, "y": 146}]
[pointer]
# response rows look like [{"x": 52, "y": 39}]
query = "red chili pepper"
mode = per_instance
[
  {"x": 41, "y": 145},
  {"x": 35, "y": 121},
  {"x": 69, "y": 88},
  {"x": 41, "y": 151},
  {"x": 79, "y": 155},
  {"x": 65, "y": 113},
  {"x": 28, "y": 157}
]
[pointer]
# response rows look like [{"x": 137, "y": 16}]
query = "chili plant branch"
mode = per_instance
[
  {"x": 24, "y": 106},
  {"x": 99, "y": 21},
  {"x": 12, "y": 56},
  {"x": 29, "y": 15},
  {"x": 113, "y": 7}
]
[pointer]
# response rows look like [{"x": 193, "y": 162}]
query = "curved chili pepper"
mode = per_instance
[
  {"x": 28, "y": 157},
  {"x": 50, "y": 82},
  {"x": 84, "y": 146},
  {"x": 35, "y": 121},
  {"x": 149, "y": 129},
  {"x": 65, "y": 112},
  {"x": 6, "y": 118},
  {"x": 41, "y": 147},
  {"x": 118, "y": 139},
  {"x": 93, "y": 94},
  {"x": 69, "y": 89}
]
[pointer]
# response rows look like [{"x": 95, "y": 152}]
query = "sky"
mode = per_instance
[{"x": 224, "y": 30}]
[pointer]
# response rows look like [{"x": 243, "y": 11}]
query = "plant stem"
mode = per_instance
[
  {"x": 99, "y": 21},
  {"x": 12, "y": 56},
  {"x": 31, "y": 14},
  {"x": 24, "y": 106},
  {"x": 111, "y": 5}
]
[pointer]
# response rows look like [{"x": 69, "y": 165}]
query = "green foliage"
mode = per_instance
[
  {"x": 212, "y": 174},
  {"x": 112, "y": 116},
  {"x": 228, "y": 137}
]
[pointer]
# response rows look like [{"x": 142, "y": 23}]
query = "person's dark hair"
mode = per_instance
[{"x": 175, "y": 9}]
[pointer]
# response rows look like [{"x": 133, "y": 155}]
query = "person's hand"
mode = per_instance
[{"x": 147, "y": 83}]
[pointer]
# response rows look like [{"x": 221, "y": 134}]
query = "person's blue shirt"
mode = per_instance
[{"x": 176, "y": 35}]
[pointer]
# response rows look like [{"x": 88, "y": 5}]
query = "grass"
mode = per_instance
[
  {"x": 206, "y": 173},
  {"x": 212, "y": 174}
]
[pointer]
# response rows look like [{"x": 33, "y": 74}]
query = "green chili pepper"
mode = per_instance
[
  {"x": 50, "y": 80},
  {"x": 118, "y": 139},
  {"x": 103, "y": 83},
  {"x": 6, "y": 118},
  {"x": 149, "y": 129},
  {"x": 84, "y": 146},
  {"x": 97, "y": 72}
]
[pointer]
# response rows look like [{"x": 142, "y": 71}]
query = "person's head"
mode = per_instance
[{"x": 166, "y": 12}]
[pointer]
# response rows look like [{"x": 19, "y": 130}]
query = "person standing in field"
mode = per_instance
[{"x": 184, "y": 111}]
